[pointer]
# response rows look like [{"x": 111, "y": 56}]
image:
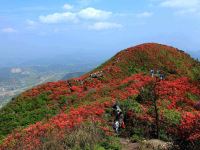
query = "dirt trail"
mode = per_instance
[{"x": 127, "y": 145}]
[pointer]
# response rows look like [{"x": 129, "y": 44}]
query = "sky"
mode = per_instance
[{"x": 33, "y": 28}]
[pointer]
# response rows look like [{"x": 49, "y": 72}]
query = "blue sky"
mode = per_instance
[{"x": 35, "y": 28}]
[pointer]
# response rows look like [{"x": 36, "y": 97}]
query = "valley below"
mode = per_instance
[{"x": 15, "y": 80}]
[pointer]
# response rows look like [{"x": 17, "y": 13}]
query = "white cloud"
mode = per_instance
[
  {"x": 84, "y": 14},
  {"x": 104, "y": 26},
  {"x": 59, "y": 18},
  {"x": 144, "y": 14},
  {"x": 31, "y": 23},
  {"x": 8, "y": 30},
  {"x": 68, "y": 6},
  {"x": 180, "y": 3},
  {"x": 182, "y": 6},
  {"x": 92, "y": 13}
]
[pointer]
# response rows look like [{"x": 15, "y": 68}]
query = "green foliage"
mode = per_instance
[
  {"x": 181, "y": 104},
  {"x": 150, "y": 110},
  {"x": 142, "y": 57},
  {"x": 21, "y": 113},
  {"x": 163, "y": 136},
  {"x": 132, "y": 69},
  {"x": 195, "y": 71},
  {"x": 105, "y": 91},
  {"x": 98, "y": 147},
  {"x": 111, "y": 143},
  {"x": 88, "y": 136},
  {"x": 193, "y": 96},
  {"x": 63, "y": 101},
  {"x": 131, "y": 104},
  {"x": 136, "y": 138},
  {"x": 172, "y": 117},
  {"x": 146, "y": 93}
]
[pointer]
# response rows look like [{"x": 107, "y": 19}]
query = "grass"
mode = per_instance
[
  {"x": 22, "y": 113},
  {"x": 86, "y": 137}
]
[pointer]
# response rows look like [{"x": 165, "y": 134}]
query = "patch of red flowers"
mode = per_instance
[
  {"x": 190, "y": 126},
  {"x": 176, "y": 92},
  {"x": 31, "y": 136}
]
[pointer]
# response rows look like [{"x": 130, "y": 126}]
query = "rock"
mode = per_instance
[{"x": 154, "y": 144}]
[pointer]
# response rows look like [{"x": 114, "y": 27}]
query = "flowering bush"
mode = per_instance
[
  {"x": 30, "y": 136},
  {"x": 83, "y": 99},
  {"x": 190, "y": 126}
]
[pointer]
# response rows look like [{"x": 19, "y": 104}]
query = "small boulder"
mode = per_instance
[{"x": 155, "y": 144}]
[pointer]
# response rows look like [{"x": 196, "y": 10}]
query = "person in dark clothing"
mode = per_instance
[
  {"x": 119, "y": 118},
  {"x": 162, "y": 76},
  {"x": 70, "y": 85},
  {"x": 152, "y": 72}
]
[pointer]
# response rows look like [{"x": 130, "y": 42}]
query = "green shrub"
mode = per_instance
[
  {"x": 133, "y": 69},
  {"x": 63, "y": 101},
  {"x": 111, "y": 143},
  {"x": 98, "y": 147},
  {"x": 21, "y": 113},
  {"x": 195, "y": 71},
  {"x": 172, "y": 117},
  {"x": 163, "y": 135},
  {"x": 136, "y": 138},
  {"x": 131, "y": 104},
  {"x": 192, "y": 96},
  {"x": 146, "y": 94}
]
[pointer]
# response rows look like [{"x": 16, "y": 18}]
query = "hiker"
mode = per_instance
[
  {"x": 116, "y": 107},
  {"x": 97, "y": 74},
  {"x": 152, "y": 72},
  {"x": 119, "y": 118},
  {"x": 161, "y": 76},
  {"x": 94, "y": 75},
  {"x": 70, "y": 85}
]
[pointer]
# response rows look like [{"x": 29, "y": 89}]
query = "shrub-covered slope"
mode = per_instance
[{"x": 30, "y": 120}]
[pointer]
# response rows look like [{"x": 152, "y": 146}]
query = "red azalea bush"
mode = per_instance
[
  {"x": 176, "y": 91},
  {"x": 30, "y": 137},
  {"x": 190, "y": 126}
]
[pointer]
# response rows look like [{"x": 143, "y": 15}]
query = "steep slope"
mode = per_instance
[{"x": 63, "y": 105}]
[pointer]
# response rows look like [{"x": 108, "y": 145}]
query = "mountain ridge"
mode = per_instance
[{"x": 67, "y": 104}]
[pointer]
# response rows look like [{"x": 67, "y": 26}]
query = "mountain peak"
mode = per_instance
[{"x": 144, "y": 57}]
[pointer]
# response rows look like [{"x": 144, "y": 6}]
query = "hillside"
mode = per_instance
[
  {"x": 53, "y": 113},
  {"x": 72, "y": 75}
]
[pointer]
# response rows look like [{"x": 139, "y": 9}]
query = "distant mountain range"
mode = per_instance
[{"x": 71, "y": 58}]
